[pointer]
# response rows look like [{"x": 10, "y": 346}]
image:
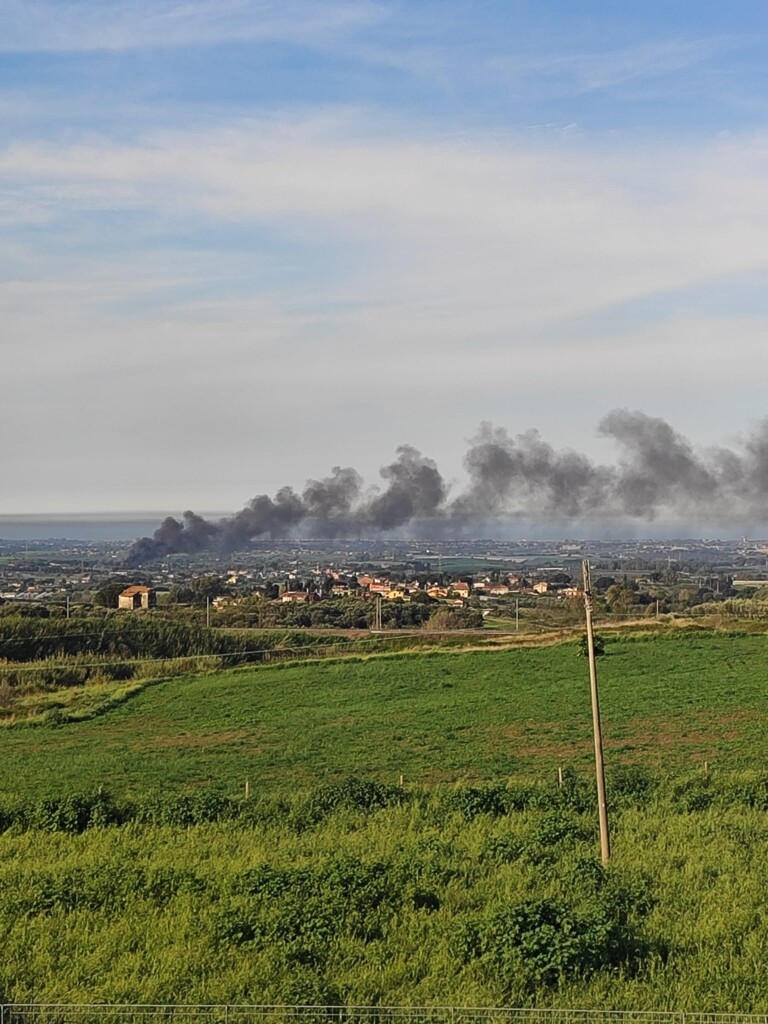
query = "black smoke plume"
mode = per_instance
[{"x": 658, "y": 473}]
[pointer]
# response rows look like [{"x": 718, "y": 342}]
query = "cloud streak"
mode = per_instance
[
  {"x": 69, "y": 26},
  {"x": 604, "y": 69}
]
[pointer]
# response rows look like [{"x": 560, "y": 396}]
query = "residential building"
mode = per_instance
[{"x": 136, "y": 597}]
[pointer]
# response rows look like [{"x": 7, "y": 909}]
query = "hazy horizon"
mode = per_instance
[{"x": 127, "y": 527}]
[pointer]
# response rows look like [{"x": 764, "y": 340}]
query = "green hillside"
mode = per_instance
[{"x": 669, "y": 702}]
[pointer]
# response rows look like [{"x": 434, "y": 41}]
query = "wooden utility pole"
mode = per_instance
[{"x": 602, "y": 803}]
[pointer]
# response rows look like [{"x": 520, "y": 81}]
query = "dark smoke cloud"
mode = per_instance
[
  {"x": 658, "y": 473},
  {"x": 416, "y": 491},
  {"x": 330, "y": 503},
  {"x": 515, "y": 477},
  {"x": 658, "y": 467},
  {"x": 332, "y": 507}
]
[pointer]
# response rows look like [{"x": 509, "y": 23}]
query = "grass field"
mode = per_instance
[{"x": 669, "y": 702}]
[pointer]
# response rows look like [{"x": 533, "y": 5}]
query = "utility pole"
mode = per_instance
[
  {"x": 602, "y": 803},
  {"x": 208, "y": 612},
  {"x": 67, "y": 605},
  {"x": 517, "y": 614}
]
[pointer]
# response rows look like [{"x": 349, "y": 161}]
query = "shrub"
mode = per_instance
[
  {"x": 350, "y": 794},
  {"x": 542, "y": 943},
  {"x": 73, "y": 813},
  {"x": 598, "y": 643},
  {"x": 557, "y": 827},
  {"x": 504, "y": 849},
  {"x": 694, "y": 794},
  {"x": 630, "y": 785},
  {"x": 576, "y": 793},
  {"x": 750, "y": 792},
  {"x": 233, "y": 927},
  {"x": 186, "y": 810},
  {"x": 474, "y": 800}
]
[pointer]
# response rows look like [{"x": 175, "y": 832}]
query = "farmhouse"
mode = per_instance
[
  {"x": 136, "y": 597},
  {"x": 460, "y": 588}
]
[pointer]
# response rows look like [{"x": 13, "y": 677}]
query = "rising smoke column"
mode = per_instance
[
  {"x": 330, "y": 507},
  {"x": 330, "y": 502},
  {"x": 658, "y": 473},
  {"x": 416, "y": 491},
  {"x": 658, "y": 467},
  {"x": 513, "y": 477},
  {"x": 189, "y": 535}
]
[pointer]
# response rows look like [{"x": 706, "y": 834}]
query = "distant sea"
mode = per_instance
[
  {"x": 127, "y": 526},
  {"x": 118, "y": 526}
]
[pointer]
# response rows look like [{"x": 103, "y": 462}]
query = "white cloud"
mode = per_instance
[
  {"x": 82, "y": 25},
  {"x": 467, "y": 272},
  {"x": 591, "y": 72},
  {"x": 461, "y": 230}
]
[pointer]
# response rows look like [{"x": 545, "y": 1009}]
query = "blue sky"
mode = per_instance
[{"x": 242, "y": 242}]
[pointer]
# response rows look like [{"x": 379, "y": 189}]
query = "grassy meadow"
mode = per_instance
[
  {"x": 476, "y": 882},
  {"x": 669, "y": 702}
]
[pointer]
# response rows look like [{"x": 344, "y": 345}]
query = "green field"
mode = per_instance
[{"x": 669, "y": 702}]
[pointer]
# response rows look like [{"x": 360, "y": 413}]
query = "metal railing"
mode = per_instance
[{"x": 116, "y": 1013}]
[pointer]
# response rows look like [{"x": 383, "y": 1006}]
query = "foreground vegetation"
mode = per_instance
[{"x": 361, "y": 893}]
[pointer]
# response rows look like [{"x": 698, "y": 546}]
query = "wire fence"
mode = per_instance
[{"x": 112, "y": 1013}]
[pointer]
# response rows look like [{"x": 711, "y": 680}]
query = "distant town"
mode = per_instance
[{"x": 340, "y": 583}]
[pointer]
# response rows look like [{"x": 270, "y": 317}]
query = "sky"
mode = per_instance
[{"x": 242, "y": 242}]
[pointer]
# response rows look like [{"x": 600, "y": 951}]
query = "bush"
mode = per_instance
[
  {"x": 749, "y": 793},
  {"x": 545, "y": 942},
  {"x": 630, "y": 785},
  {"x": 351, "y": 794},
  {"x": 599, "y": 645},
  {"x": 504, "y": 849},
  {"x": 576, "y": 793},
  {"x": 557, "y": 827},
  {"x": 694, "y": 794},
  {"x": 73, "y": 813},
  {"x": 474, "y": 800}
]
